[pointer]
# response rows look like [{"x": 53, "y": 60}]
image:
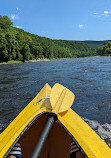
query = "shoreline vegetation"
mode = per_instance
[
  {"x": 40, "y": 60},
  {"x": 17, "y": 46},
  {"x": 16, "y": 62}
]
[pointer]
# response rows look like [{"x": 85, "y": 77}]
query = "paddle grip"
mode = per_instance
[{"x": 38, "y": 148}]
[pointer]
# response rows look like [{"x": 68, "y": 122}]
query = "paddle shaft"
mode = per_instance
[
  {"x": 43, "y": 137},
  {"x": 61, "y": 100}
]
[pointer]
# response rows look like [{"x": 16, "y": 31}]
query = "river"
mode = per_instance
[{"x": 88, "y": 78}]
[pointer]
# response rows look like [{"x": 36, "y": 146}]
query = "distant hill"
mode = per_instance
[
  {"x": 94, "y": 44},
  {"x": 16, "y": 44},
  {"x": 103, "y": 48}
]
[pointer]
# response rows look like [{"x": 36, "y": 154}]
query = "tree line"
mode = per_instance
[{"x": 16, "y": 44}]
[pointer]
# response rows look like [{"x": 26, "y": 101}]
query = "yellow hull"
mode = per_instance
[{"x": 29, "y": 124}]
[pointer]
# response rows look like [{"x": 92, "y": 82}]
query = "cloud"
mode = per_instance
[
  {"x": 19, "y": 27},
  {"x": 18, "y": 9},
  {"x": 80, "y": 26},
  {"x": 95, "y": 13},
  {"x": 14, "y": 16},
  {"x": 106, "y": 12}
]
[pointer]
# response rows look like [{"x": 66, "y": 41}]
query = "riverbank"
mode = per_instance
[
  {"x": 39, "y": 60},
  {"x": 45, "y": 59},
  {"x": 16, "y": 61},
  {"x": 32, "y": 61},
  {"x": 11, "y": 62}
]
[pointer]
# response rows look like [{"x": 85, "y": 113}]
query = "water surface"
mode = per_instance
[{"x": 88, "y": 78}]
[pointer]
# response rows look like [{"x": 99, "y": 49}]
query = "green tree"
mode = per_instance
[
  {"x": 5, "y": 22},
  {"x": 26, "y": 52},
  {"x": 50, "y": 54},
  {"x": 19, "y": 56},
  {"x": 105, "y": 49}
]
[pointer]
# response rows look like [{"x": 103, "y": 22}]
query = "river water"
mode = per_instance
[{"x": 88, "y": 78}]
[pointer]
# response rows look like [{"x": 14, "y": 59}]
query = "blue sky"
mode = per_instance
[{"x": 61, "y": 19}]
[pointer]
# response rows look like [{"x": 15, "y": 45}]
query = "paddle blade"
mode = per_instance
[{"x": 61, "y": 98}]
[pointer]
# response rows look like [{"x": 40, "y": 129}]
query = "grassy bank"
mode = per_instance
[
  {"x": 11, "y": 62},
  {"x": 16, "y": 61}
]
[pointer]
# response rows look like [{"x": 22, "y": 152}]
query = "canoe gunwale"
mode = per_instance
[{"x": 80, "y": 148}]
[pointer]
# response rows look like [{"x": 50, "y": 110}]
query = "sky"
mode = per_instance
[{"x": 61, "y": 19}]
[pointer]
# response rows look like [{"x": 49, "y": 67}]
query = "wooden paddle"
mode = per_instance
[{"x": 61, "y": 100}]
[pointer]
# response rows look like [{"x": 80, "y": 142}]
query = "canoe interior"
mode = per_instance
[{"x": 57, "y": 144}]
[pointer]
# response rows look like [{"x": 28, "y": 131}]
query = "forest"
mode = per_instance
[{"x": 16, "y": 44}]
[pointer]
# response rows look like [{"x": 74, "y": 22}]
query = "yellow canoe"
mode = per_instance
[{"x": 29, "y": 124}]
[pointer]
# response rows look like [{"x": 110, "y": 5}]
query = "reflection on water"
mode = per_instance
[{"x": 88, "y": 78}]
